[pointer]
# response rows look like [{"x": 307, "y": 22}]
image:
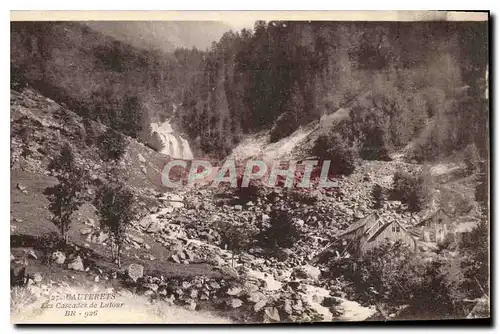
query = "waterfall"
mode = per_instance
[{"x": 165, "y": 141}]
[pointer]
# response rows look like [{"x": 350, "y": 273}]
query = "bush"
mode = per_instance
[
  {"x": 282, "y": 232},
  {"x": 412, "y": 189},
  {"x": 332, "y": 147},
  {"x": 112, "y": 145}
]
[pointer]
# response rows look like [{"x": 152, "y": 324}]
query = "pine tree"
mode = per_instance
[
  {"x": 378, "y": 196},
  {"x": 67, "y": 196}
]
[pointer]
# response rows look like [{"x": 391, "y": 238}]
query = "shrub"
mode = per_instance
[
  {"x": 412, "y": 189},
  {"x": 282, "y": 232},
  {"x": 112, "y": 145},
  {"x": 332, "y": 147}
]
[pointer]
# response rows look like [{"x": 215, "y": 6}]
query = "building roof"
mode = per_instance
[
  {"x": 383, "y": 227},
  {"x": 432, "y": 214},
  {"x": 370, "y": 219}
]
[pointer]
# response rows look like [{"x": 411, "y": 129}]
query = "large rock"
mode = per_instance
[
  {"x": 37, "y": 277},
  {"x": 230, "y": 271},
  {"x": 155, "y": 227},
  {"x": 136, "y": 239},
  {"x": 256, "y": 296},
  {"x": 234, "y": 303},
  {"x": 76, "y": 264},
  {"x": 135, "y": 271},
  {"x": 215, "y": 260},
  {"x": 58, "y": 257},
  {"x": 85, "y": 230},
  {"x": 271, "y": 315},
  {"x": 234, "y": 291},
  {"x": 259, "y": 305},
  {"x": 307, "y": 272},
  {"x": 146, "y": 221}
]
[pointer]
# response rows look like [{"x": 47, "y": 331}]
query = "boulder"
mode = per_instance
[
  {"x": 259, "y": 305},
  {"x": 32, "y": 254},
  {"x": 256, "y": 296},
  {"x": 136, "y": 239},
  {"x": 58, "y": 257},
  {"x": 37, "y": 277},
  {"x": 234, "y": 291},
  {"x": 135, "y": 271},
  {"x": 307, "y": 272},
  {"x": 234, "y": 303},
  {"x": 271, "y": 315},
  {"x": 146, "y": 221},
  {"x": 151, "y": 286},
  {"x": 155, "y": 227},
  {"x": 85, "y": 230},
  {"x": 76, "y": 264},
  {"x": 90, "y": 222},
  {"x": 215, "y": 260},
  {"x": 230, "y": 271}
]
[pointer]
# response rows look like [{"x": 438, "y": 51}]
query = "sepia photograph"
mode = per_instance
[{"x": 249, "y": 167}]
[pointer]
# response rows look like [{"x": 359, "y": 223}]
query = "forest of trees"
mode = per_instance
[{"x": 402, "y": 82}]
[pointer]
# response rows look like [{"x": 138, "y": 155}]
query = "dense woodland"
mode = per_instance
[{"x": 420, "y": 83}]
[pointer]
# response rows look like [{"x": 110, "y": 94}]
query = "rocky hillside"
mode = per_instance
[{"x": 179, "y": 242}]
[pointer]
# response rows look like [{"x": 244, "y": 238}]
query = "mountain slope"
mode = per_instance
[{"x": 163, "y": 35}]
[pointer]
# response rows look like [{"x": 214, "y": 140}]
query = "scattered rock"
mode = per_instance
[
  {"x": 175, "y": 258},
  {"x": 230, "y": 271},
  {"x": 271, "y": 315},
  {"x": 259, "y": 305},
  {"x": 238, "y": 207},
  {"x": 191, "y": 305},
  {"x": 76, "y": 264},
  {"x": 141, "y": 158},
  {"x": 32, "y": 254},
  {"x": 135, "y": 271},
  {"x": 307, "y": 272},
  {"x": 21, "y": 187},
  {"x": 151, "y": 286},
  {"x": 234, "y": 303},
  {"x": 256, "y": 297},
  {"x": 58, "y": 257},
  {"x": 136, "y": 239},
  {"x": 90, "y": 222},
  {"x": 85, "y": 230},
  {"x": 234, "y": 291},
  {"x": 37, "y": 277}
]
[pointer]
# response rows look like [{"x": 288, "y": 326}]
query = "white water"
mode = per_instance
[{"x": 166, "y": 142}]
